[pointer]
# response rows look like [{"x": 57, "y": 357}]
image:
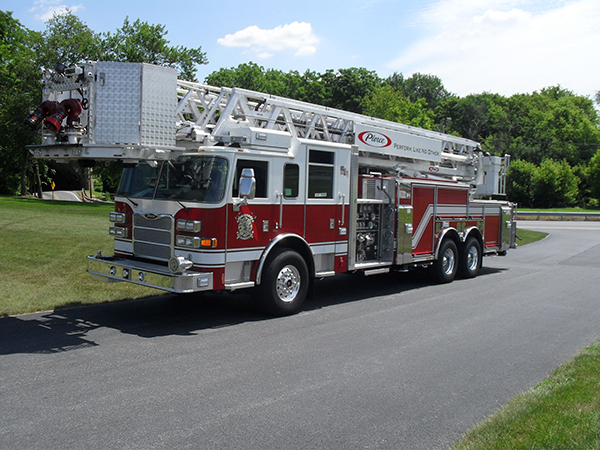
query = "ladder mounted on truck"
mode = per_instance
[
  {"x": 206, "y": 112},
  {"x": 128, "y": 112}
]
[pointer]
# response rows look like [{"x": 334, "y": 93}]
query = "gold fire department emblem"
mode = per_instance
[{"x": 245, "y": 227}]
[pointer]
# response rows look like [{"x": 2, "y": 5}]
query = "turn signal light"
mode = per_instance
[{"x": 212, "y": 243}]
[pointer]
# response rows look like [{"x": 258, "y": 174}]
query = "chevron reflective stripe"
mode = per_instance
[
  {"x": 418, "y": 234},
  {"x": 455, "y": 211}
]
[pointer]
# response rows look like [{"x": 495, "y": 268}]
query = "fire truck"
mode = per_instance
[{"x": 225, "y": 188}]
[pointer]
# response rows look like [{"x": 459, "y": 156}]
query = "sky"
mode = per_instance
[{"x": 473, "y": 46}]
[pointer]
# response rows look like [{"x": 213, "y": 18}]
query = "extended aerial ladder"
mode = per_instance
[{"x": 128, "y": 112}]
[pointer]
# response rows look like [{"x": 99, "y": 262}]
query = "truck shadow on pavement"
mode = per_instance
[{"x": 166, "y": 315}]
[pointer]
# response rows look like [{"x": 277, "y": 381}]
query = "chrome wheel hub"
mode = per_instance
[
  {"x": 448, "y": 261},
  {"x": 288, "y": 284},
  {"x": 472, "y": 258}
]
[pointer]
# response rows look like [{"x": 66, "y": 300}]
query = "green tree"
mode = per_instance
[
  {"x": 519, "y": 182},
  {"x": 19, "y": 90},
  {"x": 246, "y": 75},
  {"x": 387, "y": 103},
  {"x": 554, "y": 185},
  {"x": 553, "y": 123},
  {"x": 67, "y": 40},
  {"x": 418, "y": 85},
  {"x": 347, "y": 88},
  {"x": 142, "y": 42},
  {"x": 593, "y": 174},
  {"x": 307, "y": 87},
  {"x": 476, "y": 116}
]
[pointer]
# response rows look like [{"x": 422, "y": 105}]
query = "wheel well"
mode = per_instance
[
  {"x": 290, "y": 242},
  {"x": 476, "y": 233},
  {"x": 451, "y": 234}
]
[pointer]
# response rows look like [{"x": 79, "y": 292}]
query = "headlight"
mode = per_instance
[
  {"x": 191, "y": 226},
  {"x": 121, "y": 232},
  {"x": 117, "y": 217},
  {"x": 188, "y": 241}
]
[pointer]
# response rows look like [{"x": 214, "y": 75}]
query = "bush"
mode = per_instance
[
  {"x": 554, "y": 185},
  {"x": 594, "y": 176},
  {"x": 518, "y": 182}
]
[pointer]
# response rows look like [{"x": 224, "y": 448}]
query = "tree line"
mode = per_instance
[{"x": 552, "y": 135}]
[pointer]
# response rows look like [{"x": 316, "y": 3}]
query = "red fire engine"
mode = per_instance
[{"x": 224, "y": 189}]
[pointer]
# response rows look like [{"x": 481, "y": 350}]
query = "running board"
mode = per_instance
[{"x": 376, "y": 271}]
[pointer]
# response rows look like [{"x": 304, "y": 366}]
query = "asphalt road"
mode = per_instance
[
  {"x": 69, "y": 196},
  {"x": 387, "y": 361}
]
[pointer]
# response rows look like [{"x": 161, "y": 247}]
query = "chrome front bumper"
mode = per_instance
[{"x": 112, "y": 269}]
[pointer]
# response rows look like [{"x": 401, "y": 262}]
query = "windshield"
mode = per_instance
[{"x": 193, "y": 178}]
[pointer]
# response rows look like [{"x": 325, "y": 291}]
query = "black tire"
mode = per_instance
[
  {"x": 445, "y": 267},
  {"x": 284, "y": 283},
  {"x": 470, "y": 259}
]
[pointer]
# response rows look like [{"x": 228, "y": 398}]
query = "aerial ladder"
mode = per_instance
[{"x": 128, "y": 112}]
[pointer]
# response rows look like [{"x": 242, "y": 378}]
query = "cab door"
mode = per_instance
[
  {"x": 326, "y": 207},
  {"x": 291, "y": 199},
  {"x": 250, "y": 222}
]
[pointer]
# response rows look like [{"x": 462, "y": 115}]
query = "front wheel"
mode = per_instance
[
  {"x": 444, "y": 269},
  {"x": 284, "y": 283},
  {"x": 470, "y": 259}
]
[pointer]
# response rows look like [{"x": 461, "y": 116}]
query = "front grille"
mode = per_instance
[
  {"x": 153, "y": 236},
  {"x": 148, "y": 235},
  {"x": 151, "y": 251},
  {"x": 155, "y": 221}
]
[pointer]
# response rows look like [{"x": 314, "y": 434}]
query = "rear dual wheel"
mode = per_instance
[
  {"x": 470, "y": 259},
  {"x": 450, "y": 262}
]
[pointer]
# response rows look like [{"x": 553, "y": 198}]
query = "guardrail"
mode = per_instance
[{"x": 546, "y": 215}]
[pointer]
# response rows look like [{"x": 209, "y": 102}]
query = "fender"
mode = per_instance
[
  {"x": 305, "y": 251},
  {"x": 472, "y": 231},
  {"x": 442, "y": 236}
]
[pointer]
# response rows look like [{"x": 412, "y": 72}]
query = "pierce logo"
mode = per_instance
[{"x": 374, "y": 139}]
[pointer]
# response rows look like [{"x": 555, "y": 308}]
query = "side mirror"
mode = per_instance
[
  {"x": 247, "y": 188},
  {"x": 247, "y": 184}
]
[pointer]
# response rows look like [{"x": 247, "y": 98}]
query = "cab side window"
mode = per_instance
[
  {"x": 261, "y": 170},
  {"x": 320, "y": 174},
  {"x": 291, "y": 180}
]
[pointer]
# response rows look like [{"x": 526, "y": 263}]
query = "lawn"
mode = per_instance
[
  {"x": 525, "y": 237},
  {"x": 43, "y": 256},
  {"x": 561, "y": 412}
]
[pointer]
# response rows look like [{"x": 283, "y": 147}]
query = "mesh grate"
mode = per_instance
[{"x": 153, "y": 236}]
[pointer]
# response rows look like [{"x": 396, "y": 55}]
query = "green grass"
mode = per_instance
[
  {"x": 43, "y": 264},
  {"x": 561, "y": 412},
  {"x": 528, "y": 236},
  {"x": 588, "y": 210}
]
